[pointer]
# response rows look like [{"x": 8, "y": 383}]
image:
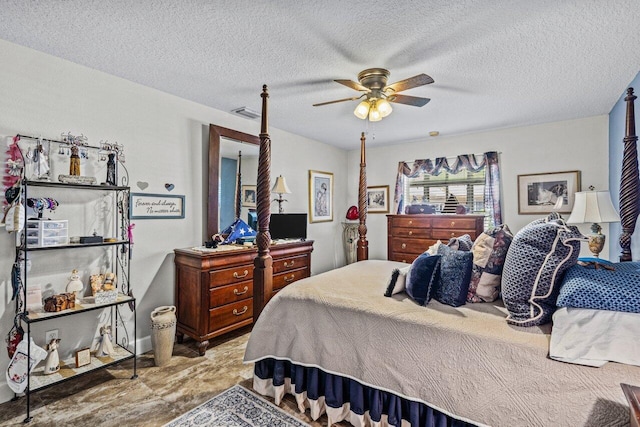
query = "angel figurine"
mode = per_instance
[{"x": 105, "y": 347}]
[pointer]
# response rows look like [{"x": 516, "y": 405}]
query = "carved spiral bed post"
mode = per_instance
[
  {"x": 263, "y": 264},
  {"x": 363, "y": 245},
  {"x": 629, "y": 184}
]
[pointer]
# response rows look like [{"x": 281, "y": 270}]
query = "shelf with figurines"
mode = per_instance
[{"x": 75, "y": 219}]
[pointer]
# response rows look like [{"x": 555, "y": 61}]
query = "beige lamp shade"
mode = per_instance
[
  {"x": 280, "y": 186},
  {"x": 593, "y": 207}
]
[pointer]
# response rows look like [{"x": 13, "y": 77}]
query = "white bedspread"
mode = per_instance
[
  {"x": 466, "y": 361},
  {"x": 595, "y": 337}
]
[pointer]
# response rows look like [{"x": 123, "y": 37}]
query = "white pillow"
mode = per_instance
[{"x": 397, "y": 281}]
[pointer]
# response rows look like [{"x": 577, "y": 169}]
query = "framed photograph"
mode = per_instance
[
  {"x": 156, "y": 206},
  {"x": 249, "y": 196},
  {"x": 542, "y": 193},
  {"x": 83, "y": 357},
  {"x": 320, "y": 196},
  {"x": 378, "y": 199}
]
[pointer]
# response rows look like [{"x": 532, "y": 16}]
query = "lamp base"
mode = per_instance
[{"x": 596, "y": 243}]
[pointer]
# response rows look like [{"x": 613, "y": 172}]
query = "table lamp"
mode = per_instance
[
  {"x": 593, "y": 207},
  {"x": 281, "y": 188}
]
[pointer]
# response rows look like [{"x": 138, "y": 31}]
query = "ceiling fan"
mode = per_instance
[{"x": 378, "y": 95}]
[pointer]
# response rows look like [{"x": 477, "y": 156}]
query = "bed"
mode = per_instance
[{"x": 341, "y": 347}]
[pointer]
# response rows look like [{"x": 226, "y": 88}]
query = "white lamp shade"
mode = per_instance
[
  {"x": 374, "y": 114},
  {"x": 362, "y": 110},
  {"x": 593, "y": 207},
  {"x": 280, "y": 186}
]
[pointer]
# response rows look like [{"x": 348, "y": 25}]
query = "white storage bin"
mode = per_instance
[{"x": 41, "y": 233}]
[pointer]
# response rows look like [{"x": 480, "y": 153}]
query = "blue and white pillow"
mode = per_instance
[
  {"x": 397, "y": 281},
  {"x": 454, "y": 277},
  {"x": 539, "y": 255},
  {"x": 602, "y": 289},
  {"x": 421, "y": 278}
]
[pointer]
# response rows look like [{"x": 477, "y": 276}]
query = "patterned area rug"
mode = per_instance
[{"x": 236, "y": 407}]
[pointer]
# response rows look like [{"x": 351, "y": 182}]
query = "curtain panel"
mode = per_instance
[{"x": 470, "y": 162}]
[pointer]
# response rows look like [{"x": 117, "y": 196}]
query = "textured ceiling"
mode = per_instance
[{"x": 495, "y": 63}]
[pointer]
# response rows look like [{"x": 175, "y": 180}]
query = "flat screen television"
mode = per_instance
[{"x": 288, "y": 226}]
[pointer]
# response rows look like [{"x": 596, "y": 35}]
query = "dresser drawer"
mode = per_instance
[
  {"x": 230, "y": 275},
  {"x": 230, "y": 293},
  {"x": 445, "y": 235},
  {"x": 461, "y": 223},
  {"x": 405, "y": 245},
  {"x": 283, "y": 279},
  {"x": 230, "y": 313},
  {"x": 415, "y": 232},
  {"x": 291, "y": 263},
  {"x": 402, "y": 257},
  {"x": 413, "y": 221}
]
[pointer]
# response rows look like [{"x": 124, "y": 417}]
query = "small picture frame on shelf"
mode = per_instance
[{"x": 83, "y": 357}]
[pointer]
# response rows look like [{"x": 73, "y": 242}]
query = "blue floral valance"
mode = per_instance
[{"x": 470, "y": 162}]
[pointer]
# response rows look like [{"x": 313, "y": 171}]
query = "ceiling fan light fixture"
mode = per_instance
[
  {"x": 384, "y": 107},
  {"x": 374, "y": 114},
  {"x": 362, "y": 110}
]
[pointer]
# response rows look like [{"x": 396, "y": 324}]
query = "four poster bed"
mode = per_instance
[{"x": 343, "y": 348}]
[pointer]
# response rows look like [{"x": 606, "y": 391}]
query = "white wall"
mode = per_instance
[
  {"x": 165, "y": 141},
  {"x": 580, "y": 144}
]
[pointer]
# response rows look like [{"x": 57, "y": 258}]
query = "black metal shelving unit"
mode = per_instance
[{"x": 124, "y": 342}]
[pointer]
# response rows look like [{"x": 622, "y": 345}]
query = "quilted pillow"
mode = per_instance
[
  {"x": 397, "y": 281},
  {"x": 536, "y": 260},
  {"x": 489, "y": 251},
  {"x": 462, "y": 243},
  {"x": 421, "y": 278},
  {"x": 602, "y": 289},
  {"x": 454, "y": 277}
]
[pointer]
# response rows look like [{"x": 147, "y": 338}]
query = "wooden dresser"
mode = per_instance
[
  {"x": 214, "y": 290},
  {"x": 411, "y": 235}
]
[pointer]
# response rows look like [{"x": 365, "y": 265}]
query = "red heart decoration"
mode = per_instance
[{"x": 352, "y": 213}]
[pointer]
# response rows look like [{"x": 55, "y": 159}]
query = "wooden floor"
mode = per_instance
[{"x": 109, "y": 397}]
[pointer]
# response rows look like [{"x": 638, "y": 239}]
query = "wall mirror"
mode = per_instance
[{"x": 229, "y": 149}]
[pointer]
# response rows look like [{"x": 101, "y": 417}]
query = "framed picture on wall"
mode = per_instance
[
  {"x": 249, "y": 196},
  {"x": 542, "y": 193},
  {"x": 378, "y": 199},
  {"x": 320, "y": 196}
]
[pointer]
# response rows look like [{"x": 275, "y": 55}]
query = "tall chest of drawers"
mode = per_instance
[
  {"x": 214, "y": 290},
  {"x": 410, "y": 235}
]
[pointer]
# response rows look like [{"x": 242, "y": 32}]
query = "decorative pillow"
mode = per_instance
[
  {"x": 421, "y": 278},
  {"x": 602, "y": 289},
  {"x": 489, "y": 251},
  {"x": 462, "y": 243},
  {"x": 536, "y": 260},
  {"x": 397, "y": 281},
  {"x": 454, "y": 277},
  {"x": 433, "y": 249}
]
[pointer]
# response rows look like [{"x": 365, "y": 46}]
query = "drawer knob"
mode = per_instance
[
  {"x": 410, "y": 232},
  {"x": 404, "y": 246},
  {"x": 241, "y": 312},
  {"x": 453, "y": 234},
  {"x": 404, "y": 260},
  {"x": 289, "y": 279},
  {"x": 286, "y": 264},
  {"x": 237, "y": 276},
  {"x": 410, "y": 221},
  {"x": 453, "y": 223},
  {"x": 244, "y": 291}
]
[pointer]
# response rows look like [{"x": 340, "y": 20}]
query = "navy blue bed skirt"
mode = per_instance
[{"x": 338, "y": 390}]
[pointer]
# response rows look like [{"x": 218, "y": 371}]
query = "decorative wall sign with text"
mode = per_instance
[{"x": 156, "y": 206}]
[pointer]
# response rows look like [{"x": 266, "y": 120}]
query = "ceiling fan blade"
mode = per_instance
[
  {"x": 338, "y": 100},
  {"x": 408, "y": 100},
  {"x": 353, "y": 85},
  {"x": 411, "y": 82}
]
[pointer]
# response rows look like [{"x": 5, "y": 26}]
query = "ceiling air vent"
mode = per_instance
[{"x": 246, "y": 112}]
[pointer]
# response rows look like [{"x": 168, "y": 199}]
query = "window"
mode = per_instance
[{"x": 467, "y": 187}]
